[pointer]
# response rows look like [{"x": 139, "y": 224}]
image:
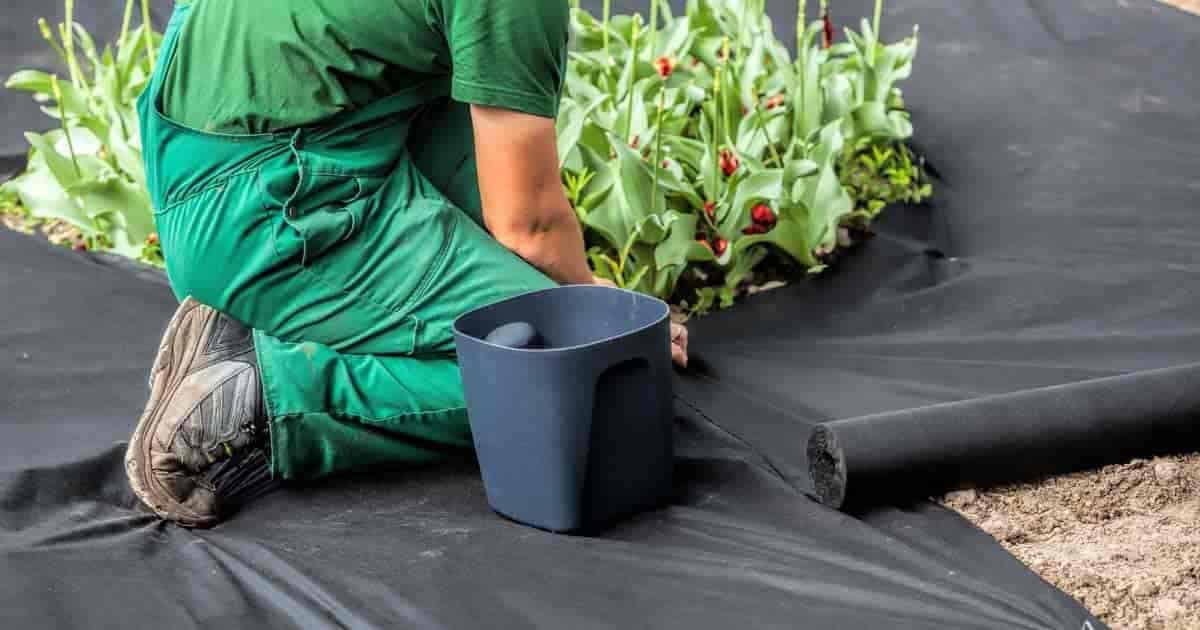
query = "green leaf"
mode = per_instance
[
  {"x": 586, "y": 31},
  {"x": 800, "y": 168},
  {"x": 675, "y": 40},
  {"x": 825, "y": 202},
  {"x": 64, "y": 170},
  {"x": 671, "y": 180},
  {"x": 788, "y": 235},
  {"x": 34, "y": 81},
  {"x": 680, "y": 246},
  {"x": 762, "y": 186},
  {"x": 44, "y": 197},
  {"x": 839, "y": 98},
  {"x": 705, "y": 298},
  {"x": 685, "y": 150},
  {"x": 726, "y": 295},
  {"x": 128, "y": 158},
  {"x": 634, "y": 114},
  {"x": 637, "y": 278},
  {"x": 653, "y": 229},
  {"x": 806, "y": 90},
  {"x": 131, "y": 51},
  {"x": 628, "y": 202},
  {"x": 570, "y": 122},
  {"x": 747, "y": 259},
  {"x": 87, "y": 45},
  {"x": 74, "y": 101},
  {"x": 752, "y": 73},
  {"x": 703, "y": 18}
]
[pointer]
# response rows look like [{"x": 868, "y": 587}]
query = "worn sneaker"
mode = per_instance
[{"x": 200, "y": 450}]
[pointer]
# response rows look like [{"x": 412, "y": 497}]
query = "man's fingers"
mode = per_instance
[
  {"x": 678, "y": 356},
  {"x": 679, "y": 343}
]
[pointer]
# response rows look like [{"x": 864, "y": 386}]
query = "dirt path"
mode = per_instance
[{"x": 1124, "y": 540}]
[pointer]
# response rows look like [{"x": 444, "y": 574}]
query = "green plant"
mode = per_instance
[
  {"x": 696, "y": 150},
  {"x": 878, "y": 174},
  {"x": 89, "y": 171},
  {"x": 703, "y": 149}
]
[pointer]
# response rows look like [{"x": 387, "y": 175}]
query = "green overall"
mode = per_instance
[{"x": 346, "y": 260}]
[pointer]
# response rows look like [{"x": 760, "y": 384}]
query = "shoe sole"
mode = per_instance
[{"x": 176, "y": 353}]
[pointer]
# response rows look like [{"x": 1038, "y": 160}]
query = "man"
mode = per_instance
[{"x": 334, "y": 182}]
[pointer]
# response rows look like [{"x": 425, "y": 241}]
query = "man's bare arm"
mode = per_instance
[{"x": 524, "y": 206}]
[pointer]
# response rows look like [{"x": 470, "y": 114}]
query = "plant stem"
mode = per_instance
[
  {"x": 633, "y": 57},
  {"x": 48, "y": 35},
  {"x": 604, "y": 28},
  {"x": 125, "y": 22},
  {"x": 801, "y": 23},
  {"x": 742, "y": 29},
  {"x": 716, "y": 167},
  {"x": 67, "y": 33},
  {"x": 653, "y": 28},
  {"x": 658, "y": 134},
  {"x": 147, "y": 29},
  {"x": 875, "y": 24},
  {"x": 62, "y": 113},
  {"x": 762, "y": 126}
]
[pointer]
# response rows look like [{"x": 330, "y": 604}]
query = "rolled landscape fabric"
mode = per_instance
[{"x": 894, "y": 457}]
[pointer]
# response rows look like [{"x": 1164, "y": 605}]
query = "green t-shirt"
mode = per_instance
[{"x": 251, "y": 66}]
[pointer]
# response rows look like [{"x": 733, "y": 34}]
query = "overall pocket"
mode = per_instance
[{"x": 328, "y": 210}]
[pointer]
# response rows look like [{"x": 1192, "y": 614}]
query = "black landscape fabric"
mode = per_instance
[{"x": 1059, "y": 252}]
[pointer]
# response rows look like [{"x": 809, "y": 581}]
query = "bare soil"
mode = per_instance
[
  {"x": 55, "y": 231},
  {"x": 1124, "y": 540}
]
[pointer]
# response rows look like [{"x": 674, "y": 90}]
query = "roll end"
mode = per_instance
[{"x": 827, "y": 467}]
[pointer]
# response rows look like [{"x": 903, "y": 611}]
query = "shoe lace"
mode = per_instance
[
  {"x": 255, "y": 430},
  {"x": 244, "y": 474}
]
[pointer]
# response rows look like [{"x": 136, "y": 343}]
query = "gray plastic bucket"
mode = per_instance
[{"x": 574, "y": 435}]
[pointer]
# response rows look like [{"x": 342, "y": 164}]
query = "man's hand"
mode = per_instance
[
  {"x": 679, "y": 334},
  {"x": 524, "y": 206},
  {"x": 679, "y": 343}
]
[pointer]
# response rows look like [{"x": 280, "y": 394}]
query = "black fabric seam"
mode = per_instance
[{"x": 767, "y": 460}]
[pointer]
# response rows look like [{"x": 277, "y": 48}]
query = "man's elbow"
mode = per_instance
[{"x": 530, "y": 234}]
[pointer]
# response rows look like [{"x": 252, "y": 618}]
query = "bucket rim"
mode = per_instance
[{"x": 665, "y": 314}]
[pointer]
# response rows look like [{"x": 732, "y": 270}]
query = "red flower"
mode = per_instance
[
  {"x": 710, "y": 208},
  {"x": 756, "y": 228},
  {"x": 728, "y": 162},
  {"x": 665, "y": 66},
  {"x": 762, "y": 214},
  {"x": 775, "y": 101},
  {"x": 828, "y": 29},
  {"x": 719, "y": 246},
  {"x": 152, "y": 239}
]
